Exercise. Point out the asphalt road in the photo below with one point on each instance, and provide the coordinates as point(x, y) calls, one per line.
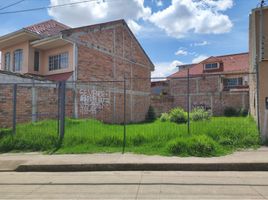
point(134, 185)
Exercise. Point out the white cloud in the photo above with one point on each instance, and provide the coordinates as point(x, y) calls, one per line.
point(184, 16)
point(100, 11)
point(134, 26)
point(159, 3)
point(194, 54)
point(181, 52)
point(204, 43)
point(219, 5)
point(199, 58)
point(165, 69)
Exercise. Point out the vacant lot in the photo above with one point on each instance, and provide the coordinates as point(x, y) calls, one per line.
point(214, 137)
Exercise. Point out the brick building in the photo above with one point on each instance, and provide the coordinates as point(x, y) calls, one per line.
point(97, 54)
point(215, 83)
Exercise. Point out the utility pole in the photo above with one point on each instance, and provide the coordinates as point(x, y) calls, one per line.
point(261, 37)
point(260, 58)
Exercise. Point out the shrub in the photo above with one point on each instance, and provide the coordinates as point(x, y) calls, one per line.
point(178, 147)
point(164, 117)
point(197, 145)
point(199, 114)
point(151, 116)
point(230, 112)
point(178, 115)
point(5, 132)
point(243, 112)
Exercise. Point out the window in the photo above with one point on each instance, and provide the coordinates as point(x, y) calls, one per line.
point(211, 66)
point(18, 56)
point(58, 61)
point(7, 61)
point(36, 61)
point(233, 82)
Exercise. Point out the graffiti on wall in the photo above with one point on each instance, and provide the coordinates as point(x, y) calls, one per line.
point(93, 101)
point(201, 105)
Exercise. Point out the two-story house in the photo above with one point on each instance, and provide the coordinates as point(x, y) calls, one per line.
point(215, 83)
point(233, 70)
point(38, 49)
point(100, 52)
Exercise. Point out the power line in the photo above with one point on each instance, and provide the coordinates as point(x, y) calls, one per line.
point(10, 5)
point(48, 7)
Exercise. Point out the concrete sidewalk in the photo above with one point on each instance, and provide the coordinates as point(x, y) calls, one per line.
point(248, 160)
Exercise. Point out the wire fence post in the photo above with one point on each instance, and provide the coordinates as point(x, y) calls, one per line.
point(58, 115)
point(14, 109)
point(125, 99)
point(188, 100)
point(62, 108)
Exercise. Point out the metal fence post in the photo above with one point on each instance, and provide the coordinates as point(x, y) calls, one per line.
point(125, 99)
point(188, 100)
point(14, 108)
point(58, 116)
point(62, 108)
point(34, 102)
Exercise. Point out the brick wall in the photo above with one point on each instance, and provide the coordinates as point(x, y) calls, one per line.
point(34, 103)
point(110, 52)
point(5, 105)
point(106, 52)
point(204, 91)
point(99, 100)
point(162, 104)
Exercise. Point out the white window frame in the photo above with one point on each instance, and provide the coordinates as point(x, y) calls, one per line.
point(58, 62)
point(7, 58)
point(17, 64)
point(211, 68)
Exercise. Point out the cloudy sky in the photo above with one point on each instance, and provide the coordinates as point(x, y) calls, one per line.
point(172, 32)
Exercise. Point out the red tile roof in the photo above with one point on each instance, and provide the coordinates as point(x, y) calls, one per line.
point(234, 63)
point(47, 28)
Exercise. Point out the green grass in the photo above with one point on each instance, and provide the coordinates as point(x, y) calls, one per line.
point(215, 137)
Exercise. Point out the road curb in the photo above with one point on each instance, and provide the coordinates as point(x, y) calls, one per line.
point(144, 167)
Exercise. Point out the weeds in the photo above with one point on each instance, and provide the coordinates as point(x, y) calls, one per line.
point(214, 137)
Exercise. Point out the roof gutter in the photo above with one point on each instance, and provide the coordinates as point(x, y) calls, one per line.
point(47, 39)
point(7, 36)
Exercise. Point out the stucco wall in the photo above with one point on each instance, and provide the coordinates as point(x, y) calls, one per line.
point(28, 58)
point(45, 58)
point(255, 62)
point(263, 87)
point(25, 47)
